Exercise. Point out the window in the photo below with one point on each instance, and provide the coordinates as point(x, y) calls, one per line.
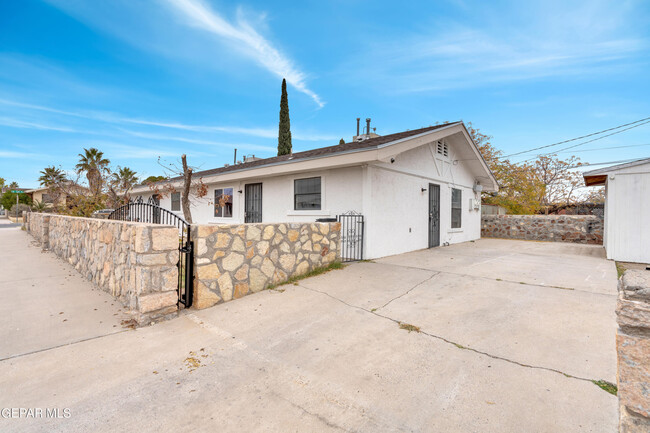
point(456, 208)
point(176, 201)
point(442, 148)
point(306, 194)
point(223, 203)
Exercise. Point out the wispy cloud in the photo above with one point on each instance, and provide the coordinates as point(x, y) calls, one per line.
point(16, 123)
point(249, 42)
point(196, 141)
point(127, 152)
point(524, 43)
point(119, 119)
point(12, 154)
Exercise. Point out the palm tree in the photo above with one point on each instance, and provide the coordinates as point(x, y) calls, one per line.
point(123, 180)
point(92, 162)
point(51, 177)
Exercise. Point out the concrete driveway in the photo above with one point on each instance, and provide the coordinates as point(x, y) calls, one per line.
point(511, 336)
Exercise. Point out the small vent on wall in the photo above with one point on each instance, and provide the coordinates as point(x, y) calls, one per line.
point(442, 148)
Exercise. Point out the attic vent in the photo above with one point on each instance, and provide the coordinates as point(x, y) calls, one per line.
point(443, 149)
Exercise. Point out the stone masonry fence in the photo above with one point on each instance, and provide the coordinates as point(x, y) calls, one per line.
point(582, 229)
point(234, 260)
point(135, 262)
point(633, 349)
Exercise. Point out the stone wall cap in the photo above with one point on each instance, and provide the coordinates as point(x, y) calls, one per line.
point(104, 221)
point(635, 284)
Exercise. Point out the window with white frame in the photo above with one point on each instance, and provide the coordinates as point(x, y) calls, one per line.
point(223, 202)
point(307, 194)
point(176, 201)
point(456, 208)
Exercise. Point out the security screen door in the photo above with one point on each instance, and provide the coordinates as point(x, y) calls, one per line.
point(253, 203)
point(434, 215)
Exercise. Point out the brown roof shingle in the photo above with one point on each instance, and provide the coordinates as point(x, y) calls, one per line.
point(320, 152)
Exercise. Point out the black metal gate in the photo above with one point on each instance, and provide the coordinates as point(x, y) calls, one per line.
point(151, 213)
point(352, 226)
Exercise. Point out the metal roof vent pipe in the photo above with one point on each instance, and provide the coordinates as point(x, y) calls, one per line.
point(368, 126)
point(358, 119)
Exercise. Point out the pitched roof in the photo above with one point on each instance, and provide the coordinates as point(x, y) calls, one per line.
point(367, 144)
point(599, 176)
point(617, 167)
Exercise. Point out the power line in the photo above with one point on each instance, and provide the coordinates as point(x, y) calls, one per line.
point(622, 161)
point(585, 142)
point(608, 148)
point(579, 138)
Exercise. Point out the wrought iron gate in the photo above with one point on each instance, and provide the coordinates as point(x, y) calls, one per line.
point(151, 213)
point(352, 226)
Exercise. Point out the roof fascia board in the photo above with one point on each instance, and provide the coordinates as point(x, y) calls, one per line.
point(616, 167)
point(351, 157)
point(479, 156)
point(343, 159)
point(393, 148)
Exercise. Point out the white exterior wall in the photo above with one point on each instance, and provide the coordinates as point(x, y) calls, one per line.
point(340, 192)
point(398, 219)
point(389, 195)
point(627, 215)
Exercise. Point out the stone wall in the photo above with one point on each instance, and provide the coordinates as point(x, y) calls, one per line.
point(135, 262)
point(582, 229)
point(633, 348)
point(38, 224)
point(234, 260)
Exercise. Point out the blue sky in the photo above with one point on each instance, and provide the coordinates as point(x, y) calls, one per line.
point(142, 79)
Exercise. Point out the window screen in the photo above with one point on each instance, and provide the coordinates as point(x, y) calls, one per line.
point(223, 203)
point(176, 201)
point(456, 208)
point(307, 193)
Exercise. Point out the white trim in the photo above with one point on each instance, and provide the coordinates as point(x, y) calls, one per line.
point(214, 204)
point(346, 158)
point(609, 169)
point(323, 204)
point(309, 213)
point(421, 176)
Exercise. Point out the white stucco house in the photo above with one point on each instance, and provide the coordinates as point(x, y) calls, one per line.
point(627, 209)
point(415, 189)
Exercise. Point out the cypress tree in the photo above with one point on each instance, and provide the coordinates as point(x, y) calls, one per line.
point(341, 141)
point(284, 135)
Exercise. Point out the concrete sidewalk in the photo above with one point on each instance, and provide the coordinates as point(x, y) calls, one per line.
point(45, 302)
point(328, 354)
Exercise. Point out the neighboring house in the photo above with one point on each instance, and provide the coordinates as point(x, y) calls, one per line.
point(415, 189)
point(43, 195)
point(627, 209)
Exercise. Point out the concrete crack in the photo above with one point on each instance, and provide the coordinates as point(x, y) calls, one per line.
point(46, 349)
point(457, 345)
point(408, 291)
point(505, 281)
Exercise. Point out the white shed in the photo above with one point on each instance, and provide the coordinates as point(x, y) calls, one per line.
point(627, 209)
point(415, 189)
